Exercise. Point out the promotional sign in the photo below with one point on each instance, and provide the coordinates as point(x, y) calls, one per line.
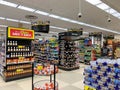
point(20, 33)
point(88, 88)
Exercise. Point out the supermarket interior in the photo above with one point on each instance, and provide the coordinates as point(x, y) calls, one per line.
point(59, 45)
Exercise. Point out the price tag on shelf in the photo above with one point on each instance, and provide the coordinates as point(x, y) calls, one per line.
point(86, 87)
point(39, 67)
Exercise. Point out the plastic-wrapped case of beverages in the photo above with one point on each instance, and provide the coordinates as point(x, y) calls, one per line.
point(103, 74)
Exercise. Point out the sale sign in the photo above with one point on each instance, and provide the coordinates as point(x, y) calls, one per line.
point(20, 33)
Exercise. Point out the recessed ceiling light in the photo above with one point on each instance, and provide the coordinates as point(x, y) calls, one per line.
point(42, 13)
point(103, 6)
point(94, 2)
point(26, 8)
point(8, 3)
point(14, 20)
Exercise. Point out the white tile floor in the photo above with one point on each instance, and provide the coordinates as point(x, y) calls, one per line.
point(68, 80)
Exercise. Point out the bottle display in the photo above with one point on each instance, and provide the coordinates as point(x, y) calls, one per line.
point(18, 54)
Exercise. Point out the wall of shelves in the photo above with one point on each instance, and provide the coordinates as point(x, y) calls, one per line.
point(18, 54)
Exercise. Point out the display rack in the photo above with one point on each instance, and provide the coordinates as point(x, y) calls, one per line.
point(46, 51)
point(17, 56)
point(67, 51)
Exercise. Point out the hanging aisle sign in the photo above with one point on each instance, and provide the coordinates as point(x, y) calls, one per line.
point(20, 33)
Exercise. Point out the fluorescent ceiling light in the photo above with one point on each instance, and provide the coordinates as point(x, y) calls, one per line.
point(54, 16)
point(8, 3)
point(58, 28)
point(65, 19)
point(14, 20)
point(42, 13)
point(3, 26)
point(116, 14)
point(103, 6)
point(26, 8)
point(25, 22)
point(2, 18)
point(112, 11)
point(94, 2)
point(69, 20)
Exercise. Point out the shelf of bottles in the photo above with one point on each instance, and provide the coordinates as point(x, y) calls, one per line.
point(46, 51)
point(68, 52)
point(19, 56)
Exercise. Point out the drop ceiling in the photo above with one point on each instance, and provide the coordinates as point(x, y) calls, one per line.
point(66, 8)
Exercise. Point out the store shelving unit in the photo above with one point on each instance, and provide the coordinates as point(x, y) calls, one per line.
point(67, 51)
point(18, 56)
point(46, 51)
point(88, 50)
point(109, 40)
point(81, 50)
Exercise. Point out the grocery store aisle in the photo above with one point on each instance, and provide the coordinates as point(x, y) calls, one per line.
point(68, 80)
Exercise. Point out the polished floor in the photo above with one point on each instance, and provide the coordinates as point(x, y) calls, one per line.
point(67, 80)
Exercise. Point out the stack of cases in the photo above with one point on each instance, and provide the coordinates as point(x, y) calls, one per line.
point(103, 74)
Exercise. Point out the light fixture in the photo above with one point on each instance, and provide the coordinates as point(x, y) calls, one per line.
point(14, 20)
point(8, 3)
point(94, 2)
point(42, 13)
point(2, 18)
point(103, 6)
point(26, 8)
point(25, 22)
point(65, 19)
point(116, 14)
point(58, 28)
point(54, 16)
point(3, 26)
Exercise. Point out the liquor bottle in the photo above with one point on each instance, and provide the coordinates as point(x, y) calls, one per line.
point(14, 49)
point(16, 55)
point(11, 55)
point(13, 43)
point(21, 54)
point(11, 49)
point(28, 49)
point(18, 49)
point(8, 48)
point(25, 48)
point(8, 43)
point(16, 43)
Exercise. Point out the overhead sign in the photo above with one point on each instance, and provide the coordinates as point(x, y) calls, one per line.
point(20, 33)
